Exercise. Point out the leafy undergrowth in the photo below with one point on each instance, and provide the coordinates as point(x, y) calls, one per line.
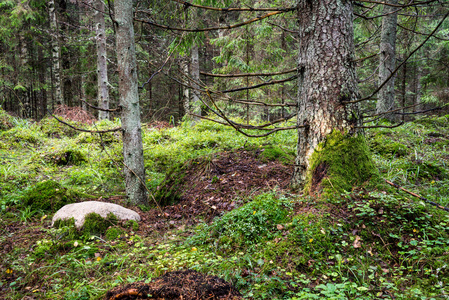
point(234, 217)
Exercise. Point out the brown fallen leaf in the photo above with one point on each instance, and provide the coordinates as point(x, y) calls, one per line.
point(357, 243)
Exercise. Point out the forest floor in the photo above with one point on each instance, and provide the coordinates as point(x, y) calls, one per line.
point(227, 225)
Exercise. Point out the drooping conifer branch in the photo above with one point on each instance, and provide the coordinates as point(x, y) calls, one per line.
point(210, 28)
point(271, 82)
point(188, 4)
point(249, 74)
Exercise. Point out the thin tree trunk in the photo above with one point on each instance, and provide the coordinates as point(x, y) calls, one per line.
point(186, 91)
point(387, 56)
point(326, 77)
point(195, 74)
point(418, 88)
point(102, 67)
point(55, 50)
point(129, 101)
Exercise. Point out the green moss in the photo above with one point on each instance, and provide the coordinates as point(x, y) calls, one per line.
point(94, 224)
point(383, 145)
point(54, 129)
point(113, 233)
point(273, 152)
point(339, 163)
point(48, 196)
point(132, 224)
point(23, 135)
point(67, 229)
point(65, 157)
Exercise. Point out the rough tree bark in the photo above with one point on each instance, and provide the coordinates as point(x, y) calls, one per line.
point(326, 80)
point(387, 58)
point(129, 102)
point(55, 50)
point(102, 66)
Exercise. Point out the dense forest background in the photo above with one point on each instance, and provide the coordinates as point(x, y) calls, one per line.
point(51, 53)
point(370, 222)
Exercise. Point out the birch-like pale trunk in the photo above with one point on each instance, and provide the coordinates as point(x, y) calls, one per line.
point(56, 53)
point(185, 90)
point(326, 77)
point(129, 101)
point(102, 65)
point(387, 62)
point(195, 105)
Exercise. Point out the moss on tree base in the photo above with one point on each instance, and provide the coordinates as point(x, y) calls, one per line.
point(339, 163)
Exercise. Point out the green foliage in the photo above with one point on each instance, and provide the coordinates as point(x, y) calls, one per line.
point(47, 195)
point(245, 226)
point(5, 120)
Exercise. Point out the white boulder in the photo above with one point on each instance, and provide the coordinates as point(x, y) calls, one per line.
point(79, 211)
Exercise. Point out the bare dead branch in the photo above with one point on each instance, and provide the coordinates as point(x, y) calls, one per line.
point(85, 130)
point(417, 196)
point(163, 65)
point(102, 109)
point(398, 5)
point(401, 64)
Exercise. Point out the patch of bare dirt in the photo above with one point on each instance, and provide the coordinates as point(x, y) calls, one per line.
point(185, 285)
point(215, 186)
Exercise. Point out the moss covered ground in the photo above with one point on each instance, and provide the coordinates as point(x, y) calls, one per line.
point(358, 242)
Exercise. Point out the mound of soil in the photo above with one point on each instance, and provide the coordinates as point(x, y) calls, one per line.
point(185, 285)
point(215, 186)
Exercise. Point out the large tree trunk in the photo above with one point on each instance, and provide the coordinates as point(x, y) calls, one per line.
point(387, 62)
point(326, 79)
point(56, 54)
point(102, 66)
point(129, 101)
